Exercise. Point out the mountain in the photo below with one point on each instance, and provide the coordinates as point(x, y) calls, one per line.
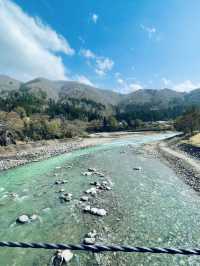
point(160, 99)
point(193, 98)
point(7, 83)
point(73, 89)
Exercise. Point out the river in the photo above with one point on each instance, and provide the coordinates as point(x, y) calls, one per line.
point(151, 207)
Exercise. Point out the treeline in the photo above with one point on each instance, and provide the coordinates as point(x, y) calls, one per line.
point(189, 122)
point(32, 115)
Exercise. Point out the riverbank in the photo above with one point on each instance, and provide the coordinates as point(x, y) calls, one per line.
point(15, 155)
point(184, 161)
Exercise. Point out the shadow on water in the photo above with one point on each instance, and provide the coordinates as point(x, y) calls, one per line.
point(151, 207)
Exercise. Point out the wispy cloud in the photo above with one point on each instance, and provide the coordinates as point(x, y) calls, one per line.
point(94, 18)
point(87, 53)
point(151, 31)
point(101, 64)
point(29, 48)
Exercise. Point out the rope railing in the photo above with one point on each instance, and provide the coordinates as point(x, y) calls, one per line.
point(102, 248)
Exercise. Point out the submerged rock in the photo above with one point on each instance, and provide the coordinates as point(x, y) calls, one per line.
point(137, 168)
point(66, 197)
point(60, 182)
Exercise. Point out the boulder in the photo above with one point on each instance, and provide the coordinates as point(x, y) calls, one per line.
point(61, 257)
point(84, 198)
point(92, 191)
point(89, 240)
point(66, 197)
point(95, 211)
point(23, 219)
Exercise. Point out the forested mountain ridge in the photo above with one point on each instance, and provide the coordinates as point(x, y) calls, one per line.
point(44, 109)
point(72, 89)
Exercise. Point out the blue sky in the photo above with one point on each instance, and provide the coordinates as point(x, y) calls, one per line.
point(122, 45)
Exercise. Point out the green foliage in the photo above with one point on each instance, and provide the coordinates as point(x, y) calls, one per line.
point(189, 121)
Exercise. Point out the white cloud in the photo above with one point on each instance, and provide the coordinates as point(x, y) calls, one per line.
point(87, 53)
point(83, 79)
point(125, 87)
point(120, 81)
point(94, 18)
point(186, 86)
point(29, 47)
point(166, 82)
point(150, 30)
point(135, 87)
point(103, 65)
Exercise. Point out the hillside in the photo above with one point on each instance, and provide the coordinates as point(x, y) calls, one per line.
point(156, 99)
point(7, 83)
point(159, 98)
point(73, 89)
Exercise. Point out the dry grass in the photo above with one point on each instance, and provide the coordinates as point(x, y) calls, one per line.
point(195, 140)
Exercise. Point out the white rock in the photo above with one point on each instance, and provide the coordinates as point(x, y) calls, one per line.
point(67, 255)
point(91, 191)
point(87, 173)
point(87, 208)
point(95, 211)
point(89, 240)
point(34, 217)
point(60, 257)
point(101, 212)
point(92, 234)
point(23, 219)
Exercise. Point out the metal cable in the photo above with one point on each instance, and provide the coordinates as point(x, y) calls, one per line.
point(102, 248)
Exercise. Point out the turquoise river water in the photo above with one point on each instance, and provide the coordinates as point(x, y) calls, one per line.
point(151, 207)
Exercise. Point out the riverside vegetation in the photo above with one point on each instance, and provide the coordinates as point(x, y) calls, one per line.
point(43, 109)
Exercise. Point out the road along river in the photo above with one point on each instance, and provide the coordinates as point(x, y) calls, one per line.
point(146, 207)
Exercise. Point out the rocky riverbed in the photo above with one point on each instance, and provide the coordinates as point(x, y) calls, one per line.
point(185, 161)
point(116, 192)
point(21, 154)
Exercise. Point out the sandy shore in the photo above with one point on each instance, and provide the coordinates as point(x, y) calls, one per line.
point(184, 164)
point(20, 154)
